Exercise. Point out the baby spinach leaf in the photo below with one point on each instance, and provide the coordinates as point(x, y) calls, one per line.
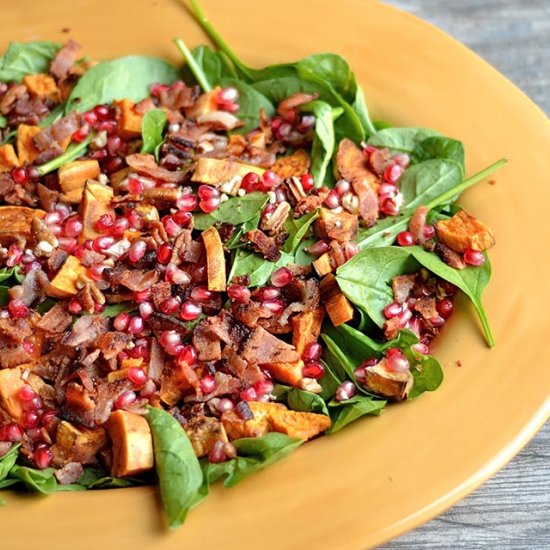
point(341, 364)
point(213, 65)
point(126, 77)
point(3, 121)
point(349, 412)
point(401, 139)
point(24, 58)
point(297, 230)
point(7, 462)
point(427, 373)
point(259, 269)
point(112, 310)
point(439, 147)
point(152, 129)
point(329, 382)
point(42, 481)
point(360, 108)
point(236, 210)
point(300, 400)
point(178, 469)
point(6, 273)
point(94, 478)
point(301, 257)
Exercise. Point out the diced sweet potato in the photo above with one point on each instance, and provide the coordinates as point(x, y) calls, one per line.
point(223, 173)
point(10, 385)
point(296, 165)
point(8, 158)
point(341, 227)
point(176, 379)
point(301, 425)
point(96, 201)
point(289, 373)
point(132, 444)
point(26, 149)
point(323, 265)
point(78, 396)
point(74, 174)
point(43, 86)
point(203, 432)
point(306, 328)
point(395, 385)
point(206, 103)
point(63, 285)
point(236, 427)
point(128, 119)
point(215, 259)
point(74, 444)
point(352, 165)
point(337, 305)
point(16, 222)
point(463, 231)
point(72, 197)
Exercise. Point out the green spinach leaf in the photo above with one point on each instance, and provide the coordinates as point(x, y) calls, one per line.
point(300, 400)
point(297, 230)
point(401, 139)
point(259, 269)
point(152, 130)
point(42, 481)
point(350, 411)
point(439, 147)
point(25, 58)
point(7, 462)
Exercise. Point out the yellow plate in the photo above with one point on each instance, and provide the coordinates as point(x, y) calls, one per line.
point(384, 475)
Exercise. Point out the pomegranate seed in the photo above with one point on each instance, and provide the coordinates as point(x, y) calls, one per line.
point(225, 404)
point(187, 202)
point(135, 187)
point(387, 191)
point(190, 311)
point(164, 253)
point(119, 227)
point(157, 89)
point(105, 222)
point(228, 95)
point(98, 154)
point(17, 309)
point(73, 227)
point(57, 230)
point(188, 355)
point(313, 369)
point(19, 174)
point(53, 218)
point(146, 309)
point(201, 294)
point(360, 374)
point(251, 182)
point(170, 305)
point(206, 192)
point(397, 363)
point(209, 205)
point(346, 390)
point(371, 361)
point(319, 248)
point(405, 238)
point(281, 277)
point(263, 387)
point(342, 187)
point(28, 346)
point(102, 243)
point(268, 293)
point(26, 393)
point(269, 180)
point(137, 251)
point(15, 255)
point(217, 453)
point(474, 257)
point(90, 117)
point(47, 418)
point(368, 150)
point(437, 321)
point(429, 232)
point(333, 199)
point(140, 349)
point(171, 227)
point(389, 207)
point(312, 352)
point(275, 306)
point(249, 394)
point(149, 389)
point(268, 209)
point(392, 310)
point(402, 159)
point(81, 134)
point(43, 457)
point(95, 271)
point(142, 295)
point(445, 308)
point(121, 321)
point(137, 376)
point(68, 245)
point(31, 419)
point(238, 293)
point(169, 337)
point(404, 317)
point(11, 432)
point(350, 250)
point(307, 181)
point(182, 217)
point(108, 126)
point(134, 219)
point(136, 325)
point(421, 348)
point(208, 383)
point(101, 112)
point(75, 307)
point(392, 173)
point(114, 143)
point(125, 399)
point(177, 276)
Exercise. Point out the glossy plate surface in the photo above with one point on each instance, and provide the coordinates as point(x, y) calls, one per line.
point(384, 475)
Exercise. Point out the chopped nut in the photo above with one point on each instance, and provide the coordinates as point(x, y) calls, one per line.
point(277, 218)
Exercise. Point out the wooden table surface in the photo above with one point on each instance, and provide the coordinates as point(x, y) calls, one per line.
point(512, 510)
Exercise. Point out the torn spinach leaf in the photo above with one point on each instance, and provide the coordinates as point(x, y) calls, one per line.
point(152, 130)
point(26, 58)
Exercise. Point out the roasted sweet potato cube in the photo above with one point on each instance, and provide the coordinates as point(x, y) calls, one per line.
point(43, 86)
point(176, 379)
point(323, 265)
point(236, 427)
point(223, 173)
point(338, 307)
point(73, 175)
point(26, 149)
point(10, 385)
point(301, 425)
point(463, 231)
point(128, 119)
point(294, 165)
point(96, 201)
point(206, 103)
point(215, 259)
point(395, 385)
point(306, 328)
point(341, 227)
point(352, 165)
point(79, 397)
point(16, 222)
point(77, 444)
point(132, 444)
point(63, 285)
point(8, 158)
point(289, 373)
point(203, 432)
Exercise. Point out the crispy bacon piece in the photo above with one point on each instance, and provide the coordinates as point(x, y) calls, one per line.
point(64, 60)
point(262, 244)
point(262, 347)
point(145, 164)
